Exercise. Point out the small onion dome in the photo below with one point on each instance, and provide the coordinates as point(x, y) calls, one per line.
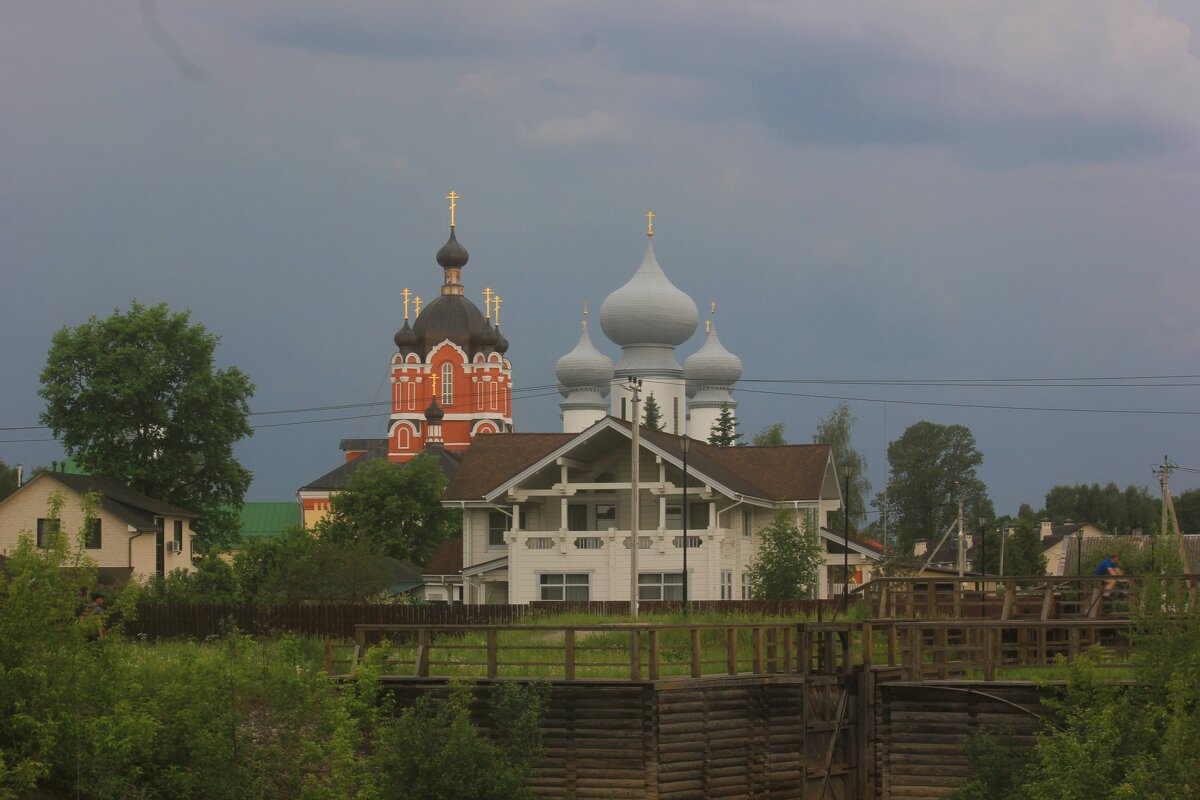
point(585, 366)
point(452, 253)
point(406, 340)
point(489, 336)
point(649, 309)
point(711, 365)
point(434, 413)
point(501, 343)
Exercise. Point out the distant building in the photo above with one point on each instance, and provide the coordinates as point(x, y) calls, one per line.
point(133, 535)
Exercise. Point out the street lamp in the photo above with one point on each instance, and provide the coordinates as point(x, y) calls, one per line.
point(685, 444)
point(982, 566)
point(847, 471)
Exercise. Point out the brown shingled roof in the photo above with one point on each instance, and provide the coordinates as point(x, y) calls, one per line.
point(789, 472)
point(447, 559)
point(497, 457)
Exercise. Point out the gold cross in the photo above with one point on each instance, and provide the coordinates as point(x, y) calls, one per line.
point(496, 300)
point(650, 224)
point(433, 379)
point(712, 309)
point(487, 303)
point(417, 309)
point(405, 294)
point(452, 197)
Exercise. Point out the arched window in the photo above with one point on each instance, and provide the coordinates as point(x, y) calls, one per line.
point(447, 384)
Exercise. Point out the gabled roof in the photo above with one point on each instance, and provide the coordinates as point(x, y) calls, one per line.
point(131, 507)
point(336, 479)
point(359, 445)
point(447, 559)
point(788, 472)
point(267, 520)
point(863, 545)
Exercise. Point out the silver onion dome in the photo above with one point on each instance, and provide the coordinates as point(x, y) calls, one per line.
point(711, 365)
point(649, 309)
point(584, 367)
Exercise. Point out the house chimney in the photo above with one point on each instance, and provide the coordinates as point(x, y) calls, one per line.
point(920, 548)
point(20, 475)
point(1047, 529)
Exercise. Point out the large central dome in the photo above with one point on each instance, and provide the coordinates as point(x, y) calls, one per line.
point(649, 309)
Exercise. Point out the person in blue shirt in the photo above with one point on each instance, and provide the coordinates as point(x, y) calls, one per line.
point(1110, 566)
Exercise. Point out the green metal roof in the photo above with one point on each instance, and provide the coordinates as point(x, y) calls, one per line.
point(268, 520)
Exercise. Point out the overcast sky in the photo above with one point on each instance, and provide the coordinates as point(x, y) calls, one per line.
point(890, 191)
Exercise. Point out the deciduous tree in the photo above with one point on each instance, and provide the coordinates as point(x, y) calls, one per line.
point(835, 429)
point(137, 396)
point(929, 468)
point(787, 562)
point(770, 436)
point(397, 506)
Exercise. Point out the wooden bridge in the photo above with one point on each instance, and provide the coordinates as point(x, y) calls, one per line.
point(841, 710)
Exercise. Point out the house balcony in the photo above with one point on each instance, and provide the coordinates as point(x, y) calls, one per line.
point(660, 541)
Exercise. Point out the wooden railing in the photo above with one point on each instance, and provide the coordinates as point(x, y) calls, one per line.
point(600, 652)
point(1020, 597)
point(951, 648)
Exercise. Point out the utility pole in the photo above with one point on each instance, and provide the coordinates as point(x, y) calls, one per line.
point(635, 386)
point(962, 550)
point(1170, 520)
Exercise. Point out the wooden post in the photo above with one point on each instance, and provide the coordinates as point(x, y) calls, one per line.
point(1010, 600)
point(1073, 643)
point(422, 666)
point(635, 653)
point(787, 650)
point(569, 654)
point(329, 656)
point(892, 644)
point(772, 651)
point(989, 666)
point(804, 656)
point(1047, 603)
point(731, 659)
point(915, 655)
point(492, 650)
point(868, 644)
point(697, 666)
point(758, 649)
point(655, 660)
point(941, 652)
point(958, 590)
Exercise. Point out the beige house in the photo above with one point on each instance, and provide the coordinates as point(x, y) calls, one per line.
point(547, 516)
point(1062, 543)
point(133, 536)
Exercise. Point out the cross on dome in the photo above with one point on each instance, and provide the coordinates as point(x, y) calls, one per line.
point(452, 197)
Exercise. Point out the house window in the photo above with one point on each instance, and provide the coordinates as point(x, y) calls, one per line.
point(606, 516)
point(675, 414)
point(660, 586)
point(591, 517)
point(91, 538)
point(45, 529)
point(569, 586)
point(577, 517)
point(697, 516)
point(726, 584)
point(745, 585)
point(747, 522)
point(498, 525)
point(178, 536)
point(624, 414)
point(447, 384)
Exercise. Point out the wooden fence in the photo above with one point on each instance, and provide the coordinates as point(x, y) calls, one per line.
point(337, 621)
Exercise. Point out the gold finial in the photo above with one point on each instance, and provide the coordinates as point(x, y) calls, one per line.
point(650, 224)
point(487, 303)
point(496, 301)
point(452, 197)
point(433, 379)
point(417, 306)
point(712, 309)
point(708, 326)
point(405, 294)
point(585, 302)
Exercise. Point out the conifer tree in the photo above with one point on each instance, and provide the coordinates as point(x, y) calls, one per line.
point(724, 431)
point(653, 415)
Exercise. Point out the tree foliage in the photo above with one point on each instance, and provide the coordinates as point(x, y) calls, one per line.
point(1022, 551)
point(929, 467)
point(652, 414)
point(835, 429)
point(1187, 507)
point(137, 396)
point(396, 506)
point(1109, 508)
point(770, 436)
point(8, 480)
point(724, 431)
point(788, 560)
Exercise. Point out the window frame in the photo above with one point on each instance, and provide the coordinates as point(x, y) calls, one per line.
point(447, 384)
point(547, 586)
point(646, 588)
point(45, 530)
point(93, 537)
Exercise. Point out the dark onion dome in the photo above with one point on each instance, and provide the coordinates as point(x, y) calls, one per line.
point(434, 413)
point(406, 340)
point(452, 253)
point(501, 343)
point(490, 335)
point(453, 317)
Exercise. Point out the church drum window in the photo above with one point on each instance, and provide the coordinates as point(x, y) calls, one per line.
point(447, 384)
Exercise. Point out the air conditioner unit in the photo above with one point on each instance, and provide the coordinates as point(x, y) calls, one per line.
point(174, 546)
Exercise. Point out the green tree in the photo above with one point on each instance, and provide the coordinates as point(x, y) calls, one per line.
point(1022, 551)
point(137, 396)
point(929, 468)
point(8, 480)
point(834, 429)
point(724, 431)
point(770, 436)
point(1187, 506)
point(1109, 508)
point(787, 562)
point(652, 414)
point(397, 506)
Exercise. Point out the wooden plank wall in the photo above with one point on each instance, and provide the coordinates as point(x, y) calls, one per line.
point(921, 727)
point(753, 737)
